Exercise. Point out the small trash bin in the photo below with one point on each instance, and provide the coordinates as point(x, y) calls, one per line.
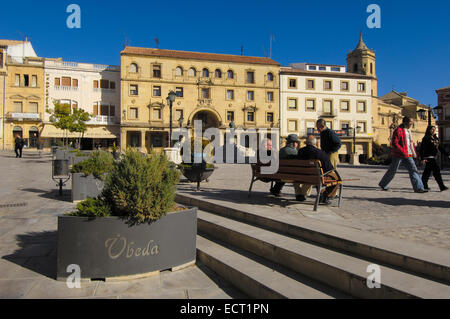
point(60, 168)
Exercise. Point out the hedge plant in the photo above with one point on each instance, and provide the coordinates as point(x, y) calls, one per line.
point(98, 163)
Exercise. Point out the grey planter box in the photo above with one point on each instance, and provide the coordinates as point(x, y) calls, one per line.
point(85, 186)
point(106, 248)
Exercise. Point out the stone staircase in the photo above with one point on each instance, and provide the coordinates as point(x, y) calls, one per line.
point(268, 257)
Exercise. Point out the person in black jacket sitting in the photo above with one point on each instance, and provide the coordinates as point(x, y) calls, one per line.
point(428, 153)
point(311, 152)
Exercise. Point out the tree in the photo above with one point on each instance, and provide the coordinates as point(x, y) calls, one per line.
point(78, 125)
point(61, 118)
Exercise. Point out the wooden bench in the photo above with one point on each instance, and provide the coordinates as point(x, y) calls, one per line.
point(298, 171)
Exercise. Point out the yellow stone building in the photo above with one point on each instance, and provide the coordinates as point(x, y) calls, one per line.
point(3, 75)
point(402, 105)
point(215, 88)
point(24, 100)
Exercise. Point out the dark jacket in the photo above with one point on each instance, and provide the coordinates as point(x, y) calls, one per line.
point(310, 152)
point(19, 142)
point(430, 147)
point(288, 152)
point(329, 141)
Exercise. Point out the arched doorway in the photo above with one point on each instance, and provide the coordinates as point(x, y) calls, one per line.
point(209, 119)
point(34, 136)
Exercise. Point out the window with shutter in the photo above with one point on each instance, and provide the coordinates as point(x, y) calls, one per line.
point(95, 109)
point(66, 81)
point(112, 110)
point(17, 107)
point(75, 83)
point(104, 84)
point(95, 84)
point(33, 107)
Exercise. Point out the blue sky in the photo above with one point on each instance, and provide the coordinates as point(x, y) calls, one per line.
point(412, 45)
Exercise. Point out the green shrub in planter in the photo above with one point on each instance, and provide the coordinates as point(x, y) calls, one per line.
point(92, 207)
point(142, 188)
point(99, 163)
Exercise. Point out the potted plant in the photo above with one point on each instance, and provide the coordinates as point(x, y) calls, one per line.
point(88, 175)
point(200, 167)
point(133, 228)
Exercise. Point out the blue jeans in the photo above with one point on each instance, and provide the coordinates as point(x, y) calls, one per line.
point(416, 181)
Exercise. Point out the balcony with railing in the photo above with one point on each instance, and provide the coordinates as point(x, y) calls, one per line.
point(15, 116)
point(65, 88)
point(103, 120)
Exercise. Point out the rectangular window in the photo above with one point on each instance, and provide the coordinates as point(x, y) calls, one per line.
point(345, 125)
point(310, 127)
point(335, 69)
point(310, 105)
point(361, 127)
point(327, 106)
point(57, 81)
point(156, 91)
point(134, 113)
point(250, 95)
point(328, 85)
point(179, 92)
point(95, 109)
point(104, 84)
point(329, 124)
point(230, 94)
point(157, 71)
point(269, 96)
point(26, 80)
point(17, 80)
point(33, 107)
point(310, 85)
point(95, 84)
point(292, 83)
point(344, 86)
point(134, 90)
point(34, 81)
point(292, 125)
point(157, 114)
point(269, 118)
point(179, 114)
point(112, 110)
point(205, 93)
point(112, 85)
point(361, 87)
point(312, 68)
point(250, 77)
point(18, 107)
point(230, 116)
point(250, 116)
point(75, 83)
point(361, 106)
point(104, 110)
point(74, 106)
point(345, 106)
point(66, 81)
point(322, 68)
point(292, 104)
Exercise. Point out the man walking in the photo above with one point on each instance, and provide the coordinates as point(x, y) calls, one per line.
point(403, 152)
point(19, 143)
point(330, 143)
point(311, 152)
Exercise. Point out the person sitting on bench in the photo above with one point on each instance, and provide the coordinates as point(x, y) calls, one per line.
point(311, 152)
point(287, 152)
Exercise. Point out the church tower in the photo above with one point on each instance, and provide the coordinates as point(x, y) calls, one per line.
point(362, 61)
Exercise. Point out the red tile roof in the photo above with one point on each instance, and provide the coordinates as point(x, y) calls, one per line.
point(198, 56)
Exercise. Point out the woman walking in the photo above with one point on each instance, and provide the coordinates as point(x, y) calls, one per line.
point(428, 152)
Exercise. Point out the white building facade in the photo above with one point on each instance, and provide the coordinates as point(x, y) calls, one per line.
point(92, 87)
point(309, 92)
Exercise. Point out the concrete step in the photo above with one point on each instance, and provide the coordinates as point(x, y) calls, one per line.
point(255, 276)
point(338, 270)
point(427, 261)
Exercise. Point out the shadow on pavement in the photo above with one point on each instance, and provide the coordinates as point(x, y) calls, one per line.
point(40, 251)
point(241, 196)
point(399, 201)
point(53, 194)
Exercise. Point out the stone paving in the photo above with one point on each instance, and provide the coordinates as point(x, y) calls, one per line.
point(399, 212)
point(29, 206)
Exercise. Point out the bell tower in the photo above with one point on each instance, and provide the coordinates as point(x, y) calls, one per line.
point(362, 61)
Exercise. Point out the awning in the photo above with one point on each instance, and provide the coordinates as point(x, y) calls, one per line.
point(50, 131)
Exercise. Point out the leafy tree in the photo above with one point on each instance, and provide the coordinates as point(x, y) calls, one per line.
point(61, 118)
point(78, 125)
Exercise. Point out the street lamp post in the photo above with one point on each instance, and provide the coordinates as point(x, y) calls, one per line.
point(353, 157)
point(170, 99)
